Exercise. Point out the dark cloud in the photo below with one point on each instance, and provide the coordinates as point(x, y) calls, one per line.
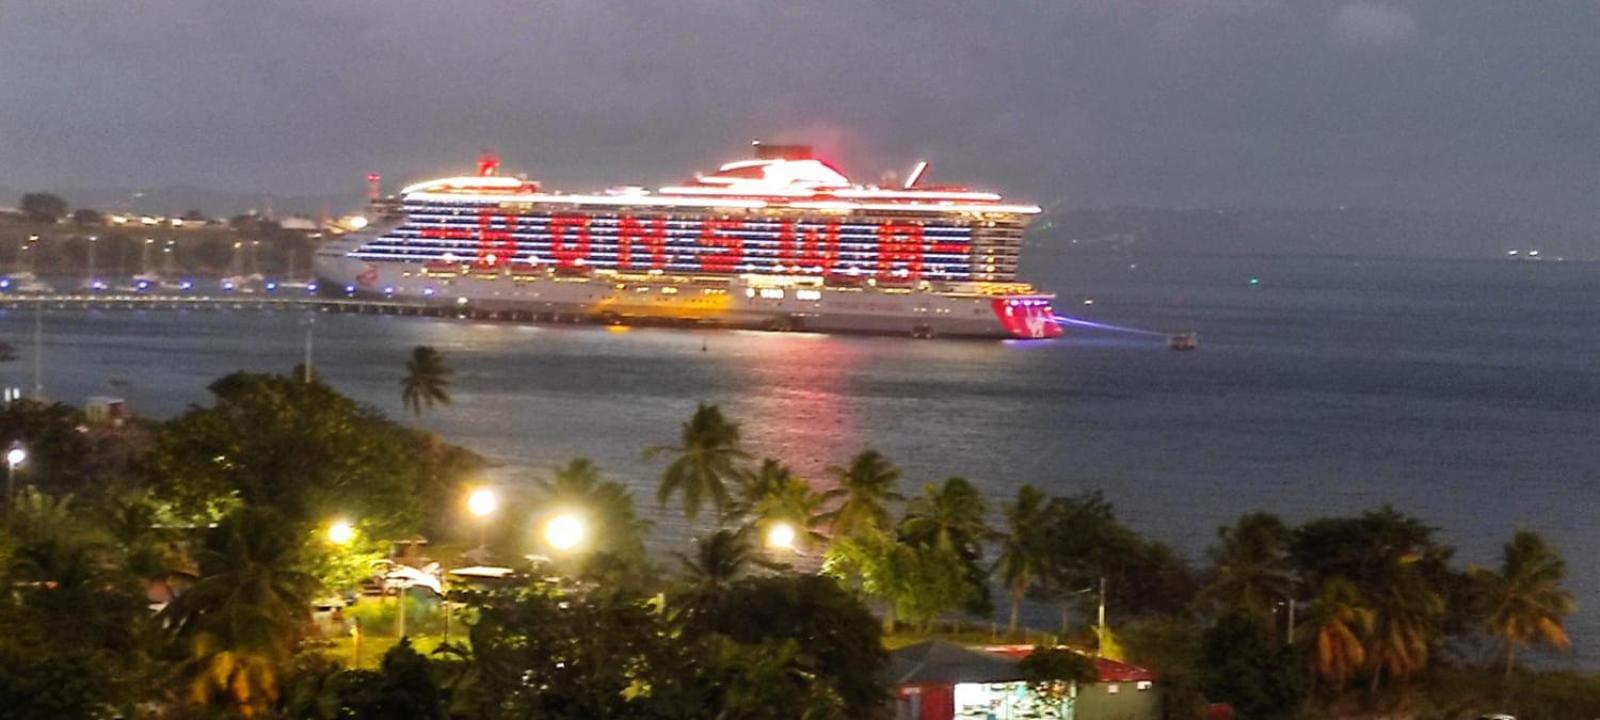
point(1446, 104)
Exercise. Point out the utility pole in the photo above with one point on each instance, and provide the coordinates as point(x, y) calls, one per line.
point(1102, 618)
point(38, 349)
point(311, 324)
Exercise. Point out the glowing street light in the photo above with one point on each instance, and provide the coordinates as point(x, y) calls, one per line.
point(780, 536)
point(565, 532)
point(341, 532)
point(483, 502)
point(14, 457)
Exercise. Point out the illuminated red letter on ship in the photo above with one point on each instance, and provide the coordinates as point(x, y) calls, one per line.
point(899, 250)
point(815, 249)
point(569, 253)
point(732, 245)
point(496, 247)
point(654, 240)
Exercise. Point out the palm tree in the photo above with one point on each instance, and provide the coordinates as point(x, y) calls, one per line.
point(1338, 626)
point(241, 621)
point(1253, 569)
point(951, 516)
point(719, 559)
point(427, 380)
point(1527, 603)
point(1022, 549)
point(608, 504)
point(773, 493)
point(707, 460)
point(1404, 626)
point(865, 489)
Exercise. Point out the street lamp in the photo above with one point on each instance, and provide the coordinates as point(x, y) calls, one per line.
point(780, 536)
point(14, 457)
point(565, 532)
point(341, 532)
point(482, 503)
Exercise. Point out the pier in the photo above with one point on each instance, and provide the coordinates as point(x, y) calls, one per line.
point(265, 301)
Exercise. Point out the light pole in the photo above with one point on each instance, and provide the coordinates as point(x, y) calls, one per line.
point(14, 457)
point(482, 503)
point(92, 240)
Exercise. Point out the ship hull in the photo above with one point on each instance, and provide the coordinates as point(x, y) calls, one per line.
point(731, 302)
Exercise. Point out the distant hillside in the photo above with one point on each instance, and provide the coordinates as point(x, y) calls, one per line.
point(1351, 231)
point(177, 200)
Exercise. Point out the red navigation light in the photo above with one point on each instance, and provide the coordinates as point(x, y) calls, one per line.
point(373, 184)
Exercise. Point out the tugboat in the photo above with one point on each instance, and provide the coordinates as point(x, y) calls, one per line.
point(1183, 341)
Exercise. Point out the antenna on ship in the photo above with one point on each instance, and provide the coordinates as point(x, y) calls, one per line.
point(916, 174)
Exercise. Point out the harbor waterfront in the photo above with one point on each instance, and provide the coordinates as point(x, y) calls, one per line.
point(1461, 392)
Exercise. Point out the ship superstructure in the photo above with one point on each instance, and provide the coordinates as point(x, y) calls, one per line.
point(780, 241)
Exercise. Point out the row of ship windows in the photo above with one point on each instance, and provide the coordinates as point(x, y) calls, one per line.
point(814, 296)
point(689, 235)
point(936, 272)
point(595, 222)
point(526, 210)
point(443, 251)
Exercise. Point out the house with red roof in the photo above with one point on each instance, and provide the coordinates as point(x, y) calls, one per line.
point(940, 680)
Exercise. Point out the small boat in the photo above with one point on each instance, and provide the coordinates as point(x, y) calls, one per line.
point(1183, 341)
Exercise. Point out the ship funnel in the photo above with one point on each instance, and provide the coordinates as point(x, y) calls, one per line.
point(782, 152)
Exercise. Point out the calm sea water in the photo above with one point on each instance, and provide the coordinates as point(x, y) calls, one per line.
point(1467, 393)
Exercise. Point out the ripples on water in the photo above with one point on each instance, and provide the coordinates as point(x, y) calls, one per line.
point(1465, 393)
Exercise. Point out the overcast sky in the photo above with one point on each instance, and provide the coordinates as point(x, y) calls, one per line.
point(1441, 104)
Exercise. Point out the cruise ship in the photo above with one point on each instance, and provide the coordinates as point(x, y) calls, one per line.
point(781, 241)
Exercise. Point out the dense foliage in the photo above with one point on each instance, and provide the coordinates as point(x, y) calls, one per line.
point(221, 517)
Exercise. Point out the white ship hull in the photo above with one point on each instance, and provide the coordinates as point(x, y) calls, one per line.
point(734, 302)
